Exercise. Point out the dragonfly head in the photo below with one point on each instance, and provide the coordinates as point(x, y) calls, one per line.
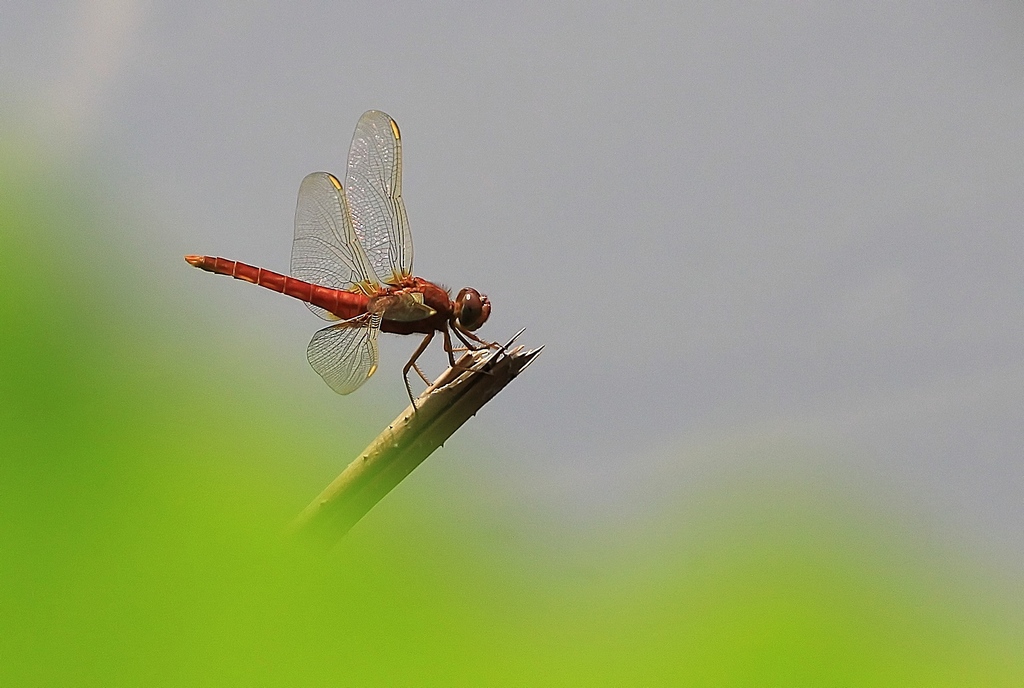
point(471, 309)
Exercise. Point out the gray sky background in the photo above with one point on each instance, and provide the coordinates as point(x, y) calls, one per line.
point(726, 221)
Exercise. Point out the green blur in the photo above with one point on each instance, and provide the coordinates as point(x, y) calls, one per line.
point(142, 511)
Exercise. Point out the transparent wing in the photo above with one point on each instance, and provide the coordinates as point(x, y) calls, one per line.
point(326, 250)
point(374, 188)
point(345, 355)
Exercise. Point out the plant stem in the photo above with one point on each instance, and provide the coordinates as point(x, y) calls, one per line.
point(448, 403)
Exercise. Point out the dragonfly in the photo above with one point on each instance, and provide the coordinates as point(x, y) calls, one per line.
point(352, 263)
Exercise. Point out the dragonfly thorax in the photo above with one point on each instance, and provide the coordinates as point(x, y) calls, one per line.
point(403, 306)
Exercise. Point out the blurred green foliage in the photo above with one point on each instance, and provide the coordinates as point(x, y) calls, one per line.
point(140, 540)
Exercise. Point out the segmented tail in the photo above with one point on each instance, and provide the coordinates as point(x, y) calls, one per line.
point(343, 304)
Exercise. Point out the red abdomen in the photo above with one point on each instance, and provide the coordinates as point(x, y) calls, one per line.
point(344, 304)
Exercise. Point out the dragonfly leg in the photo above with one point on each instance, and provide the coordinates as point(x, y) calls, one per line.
point(419, 371)
point(463, 334)
point(412, 364)
point(468, 347)
point(448, 347)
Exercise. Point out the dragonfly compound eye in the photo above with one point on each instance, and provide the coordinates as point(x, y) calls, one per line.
point(472, 308)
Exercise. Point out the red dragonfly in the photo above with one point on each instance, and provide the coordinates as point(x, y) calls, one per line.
point(352, 261)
